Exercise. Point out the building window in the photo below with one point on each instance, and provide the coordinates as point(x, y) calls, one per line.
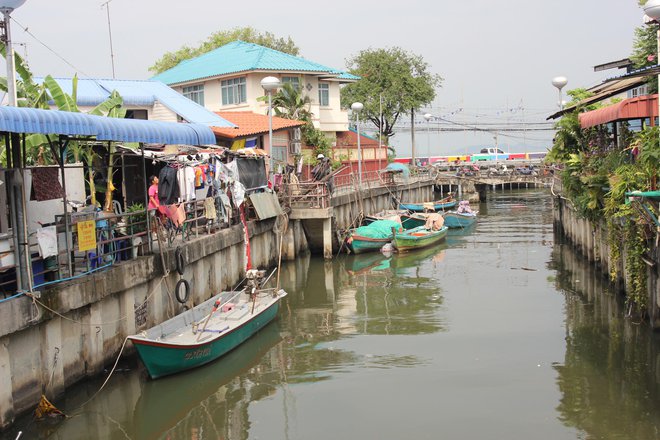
point(293, 80)
point(324, 95)
point(233, 91)
point(195, 93)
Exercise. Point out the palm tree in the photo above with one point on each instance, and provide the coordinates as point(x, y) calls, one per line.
point(290, 103)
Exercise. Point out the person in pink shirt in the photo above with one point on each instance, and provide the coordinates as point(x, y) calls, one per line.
point(154, 203)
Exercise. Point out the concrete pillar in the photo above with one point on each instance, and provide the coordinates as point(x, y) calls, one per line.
point(6, 398)
point(327, 238)
point(52, 357)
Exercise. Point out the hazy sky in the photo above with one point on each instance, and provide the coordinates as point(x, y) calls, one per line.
point(497, 58)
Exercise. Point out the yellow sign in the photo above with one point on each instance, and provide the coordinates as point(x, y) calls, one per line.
point(86, 235)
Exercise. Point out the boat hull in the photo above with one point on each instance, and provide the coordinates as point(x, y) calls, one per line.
point(163, 359)
point(419, 207)
point(360, 245)
point(418, 238)
point(455, 220)
point(411, 221)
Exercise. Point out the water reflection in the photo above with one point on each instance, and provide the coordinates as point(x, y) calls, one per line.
point(610, 379)
point(492, 326)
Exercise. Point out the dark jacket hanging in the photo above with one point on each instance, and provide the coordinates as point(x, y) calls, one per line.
point(168, 186)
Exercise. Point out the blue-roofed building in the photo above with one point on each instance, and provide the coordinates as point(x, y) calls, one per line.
point(144, 99)
point(229, 79)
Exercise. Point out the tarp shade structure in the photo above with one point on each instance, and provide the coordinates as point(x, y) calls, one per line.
point(641, 107)
point(252, 172)
point(32, 120)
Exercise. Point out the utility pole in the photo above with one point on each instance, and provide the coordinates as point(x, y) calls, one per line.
point(112, 53)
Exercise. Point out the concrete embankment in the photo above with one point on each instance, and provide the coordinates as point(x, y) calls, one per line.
point(78, 327)
point(591, 240)
point(87, 320)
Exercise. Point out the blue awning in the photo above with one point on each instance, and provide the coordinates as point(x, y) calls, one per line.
point(32, 120)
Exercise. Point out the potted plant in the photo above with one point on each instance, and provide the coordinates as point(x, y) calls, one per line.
point(136, 222)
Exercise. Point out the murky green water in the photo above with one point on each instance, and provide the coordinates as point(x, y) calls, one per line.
point(501, 333)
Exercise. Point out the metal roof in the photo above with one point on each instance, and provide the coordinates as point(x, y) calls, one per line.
point(32, 120)
point(641, 107)
point(140, 93)
point(239, 56)
point(602, 92)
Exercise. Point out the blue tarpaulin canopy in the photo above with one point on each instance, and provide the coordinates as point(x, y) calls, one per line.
point(32, 120)
point(399, 167)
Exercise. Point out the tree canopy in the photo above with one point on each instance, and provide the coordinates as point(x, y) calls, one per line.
point(402, 80)
point(220, 38)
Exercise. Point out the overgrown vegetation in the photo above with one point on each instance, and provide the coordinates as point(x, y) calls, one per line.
point(597, 173)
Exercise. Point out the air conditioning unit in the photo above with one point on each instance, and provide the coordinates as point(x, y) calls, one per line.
point(294, 147)
point(297, 135)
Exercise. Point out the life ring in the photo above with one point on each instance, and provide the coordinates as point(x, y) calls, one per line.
point(180, 261)
point(182, 298)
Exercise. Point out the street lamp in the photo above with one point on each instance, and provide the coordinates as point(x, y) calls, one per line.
point(560, 82)
point(270, 83)
point(428, 117)
point(6, 7)
point(652, 10)
point(356, 107)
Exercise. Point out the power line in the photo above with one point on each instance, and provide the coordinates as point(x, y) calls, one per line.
point(27, 31)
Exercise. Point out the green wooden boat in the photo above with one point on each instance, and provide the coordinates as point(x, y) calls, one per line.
point(207, 331)
point(372, 237)
point(414, 219)
point(417, 238)
point(456, 220)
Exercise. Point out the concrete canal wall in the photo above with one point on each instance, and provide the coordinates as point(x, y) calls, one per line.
point(591, 241)
point(45, 351)
point(77, 328)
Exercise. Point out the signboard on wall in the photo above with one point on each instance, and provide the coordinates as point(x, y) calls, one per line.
point(86, 235)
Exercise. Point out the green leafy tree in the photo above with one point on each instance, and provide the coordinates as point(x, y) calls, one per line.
point(220, 38)
point(570, 138)
point(400, 79)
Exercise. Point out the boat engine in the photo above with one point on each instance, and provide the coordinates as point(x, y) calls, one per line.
point(255, 278)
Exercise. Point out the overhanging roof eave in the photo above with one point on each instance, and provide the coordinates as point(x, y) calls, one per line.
point(31, 120)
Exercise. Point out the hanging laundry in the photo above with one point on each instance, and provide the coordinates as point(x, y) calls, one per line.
point(199, 177)
point(225, 207)
point(168, 186)
point(47, 240)
point(186, 179)
point(209, 208)
point(46, 184)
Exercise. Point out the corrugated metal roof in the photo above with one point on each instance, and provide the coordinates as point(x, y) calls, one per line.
point(239, 56)
point(641, 107)
point(141, 93)
point(602, 92)
point(31, 120)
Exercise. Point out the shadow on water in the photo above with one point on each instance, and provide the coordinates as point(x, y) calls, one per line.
point(610, 379)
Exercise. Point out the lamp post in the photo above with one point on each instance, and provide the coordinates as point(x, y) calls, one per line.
point(560, 82)
point(270, 83)
point(6, 7)
point(428, 117)
point(652, 10)
point(15, 178)
point(356, 107)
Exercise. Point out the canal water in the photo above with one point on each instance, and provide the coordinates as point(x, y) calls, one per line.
point(502, 332)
